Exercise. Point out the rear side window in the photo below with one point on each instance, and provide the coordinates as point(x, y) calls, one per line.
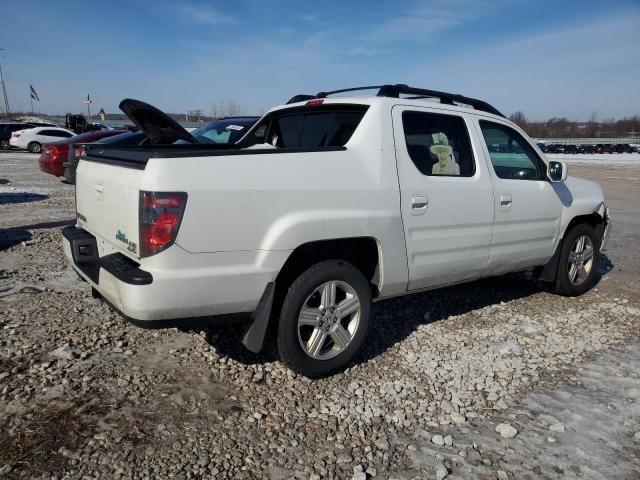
point(287, 132)
point(438, 144)
point(511, 155)
point(55, 133)
point(331, 128)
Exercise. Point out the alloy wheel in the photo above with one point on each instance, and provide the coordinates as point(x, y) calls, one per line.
point(580, 261)
point(328, 320)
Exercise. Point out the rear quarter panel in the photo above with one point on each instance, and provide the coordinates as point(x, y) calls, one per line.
point(275, 202)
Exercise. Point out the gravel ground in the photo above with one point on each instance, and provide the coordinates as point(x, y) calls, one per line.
point(497, 379)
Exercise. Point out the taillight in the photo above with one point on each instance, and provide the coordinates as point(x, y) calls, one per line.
point(315, 101)
point(15, 135)
point(160, 217)
point(56, 149)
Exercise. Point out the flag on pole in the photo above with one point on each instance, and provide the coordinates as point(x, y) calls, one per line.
point(34, 94)
point(88, 99)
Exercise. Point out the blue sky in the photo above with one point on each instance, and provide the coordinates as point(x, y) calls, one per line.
point(546, 58)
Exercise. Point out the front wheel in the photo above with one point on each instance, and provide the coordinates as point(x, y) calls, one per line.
point(324, 318)
point(579, 259)
point(34, 147)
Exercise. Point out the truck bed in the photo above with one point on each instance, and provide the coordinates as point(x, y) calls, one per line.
point(138, 156)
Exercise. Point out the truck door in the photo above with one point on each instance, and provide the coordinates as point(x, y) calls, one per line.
point(528, 209)
point(446, 196)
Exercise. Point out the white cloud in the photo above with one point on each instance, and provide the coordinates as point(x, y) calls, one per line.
point(424, 18)
point(565, 72)
point(204, 14)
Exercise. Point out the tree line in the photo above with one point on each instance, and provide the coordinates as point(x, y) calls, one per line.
point(561, 127)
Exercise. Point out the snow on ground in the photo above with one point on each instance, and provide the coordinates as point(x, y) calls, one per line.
point(626, 159)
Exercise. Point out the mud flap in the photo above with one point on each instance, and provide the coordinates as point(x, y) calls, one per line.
point(253, 337)
point(549, 272)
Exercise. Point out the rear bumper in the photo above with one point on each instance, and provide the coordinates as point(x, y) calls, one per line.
point(173, 285)
point(84, 255)
point(70, 170)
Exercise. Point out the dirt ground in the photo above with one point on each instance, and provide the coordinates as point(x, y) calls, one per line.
point(84, 394)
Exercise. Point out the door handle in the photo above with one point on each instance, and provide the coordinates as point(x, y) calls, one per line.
point(419, 204)
point(505, 202)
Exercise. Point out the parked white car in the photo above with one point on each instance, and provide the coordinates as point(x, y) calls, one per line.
point(324, 206)
point(32, 139)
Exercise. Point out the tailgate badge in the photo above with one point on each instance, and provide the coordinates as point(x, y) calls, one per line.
point(131, 246)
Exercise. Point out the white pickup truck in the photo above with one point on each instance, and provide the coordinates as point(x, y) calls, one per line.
point(326, 204)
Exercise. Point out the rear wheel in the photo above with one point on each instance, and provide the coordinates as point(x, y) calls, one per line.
point(34, 147)
point(579, 260)
point(324, 318)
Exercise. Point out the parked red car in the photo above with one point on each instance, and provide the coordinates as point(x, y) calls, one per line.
point(55, 154)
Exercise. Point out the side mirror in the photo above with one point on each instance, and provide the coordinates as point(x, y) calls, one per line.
point(557, 171)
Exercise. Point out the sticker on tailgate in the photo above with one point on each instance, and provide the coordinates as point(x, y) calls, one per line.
point(131, 246)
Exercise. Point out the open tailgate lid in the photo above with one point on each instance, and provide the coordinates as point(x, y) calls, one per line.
point(157, 125)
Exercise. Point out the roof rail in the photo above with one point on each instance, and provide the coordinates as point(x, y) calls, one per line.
point(398, 89)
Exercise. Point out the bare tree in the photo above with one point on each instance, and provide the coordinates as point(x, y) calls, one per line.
point(519, 119)
point(561, 127)
point(228, 108)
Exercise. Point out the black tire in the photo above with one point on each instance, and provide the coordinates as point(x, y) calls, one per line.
point(563, 284)
point(289, 344)
point(4, 145)
point(34, 147)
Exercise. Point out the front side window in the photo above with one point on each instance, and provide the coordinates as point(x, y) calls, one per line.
point(438, 144)
point(511, 155)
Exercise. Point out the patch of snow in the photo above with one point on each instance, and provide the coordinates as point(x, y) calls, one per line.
point(617, 159)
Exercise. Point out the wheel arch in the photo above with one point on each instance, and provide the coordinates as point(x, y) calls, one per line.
point(549, 271)
point(364, 253)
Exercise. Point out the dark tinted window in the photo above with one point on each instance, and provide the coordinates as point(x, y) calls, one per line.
point(511, 155)
point(13, 127)
point(341, 127)
point(438, 144)
point(331, 127)
point(315, 130)
point(287, 130)
point(56, 133)
point(125, 139)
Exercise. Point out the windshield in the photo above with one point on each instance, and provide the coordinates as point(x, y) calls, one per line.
point(226, 131)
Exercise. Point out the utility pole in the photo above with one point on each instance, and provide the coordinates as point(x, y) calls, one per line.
point(4, 90)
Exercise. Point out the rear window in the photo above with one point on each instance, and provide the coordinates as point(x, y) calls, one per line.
point(322, 127)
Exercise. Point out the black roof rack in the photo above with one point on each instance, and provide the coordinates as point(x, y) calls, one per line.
point(401, 89)
point(300, 98)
